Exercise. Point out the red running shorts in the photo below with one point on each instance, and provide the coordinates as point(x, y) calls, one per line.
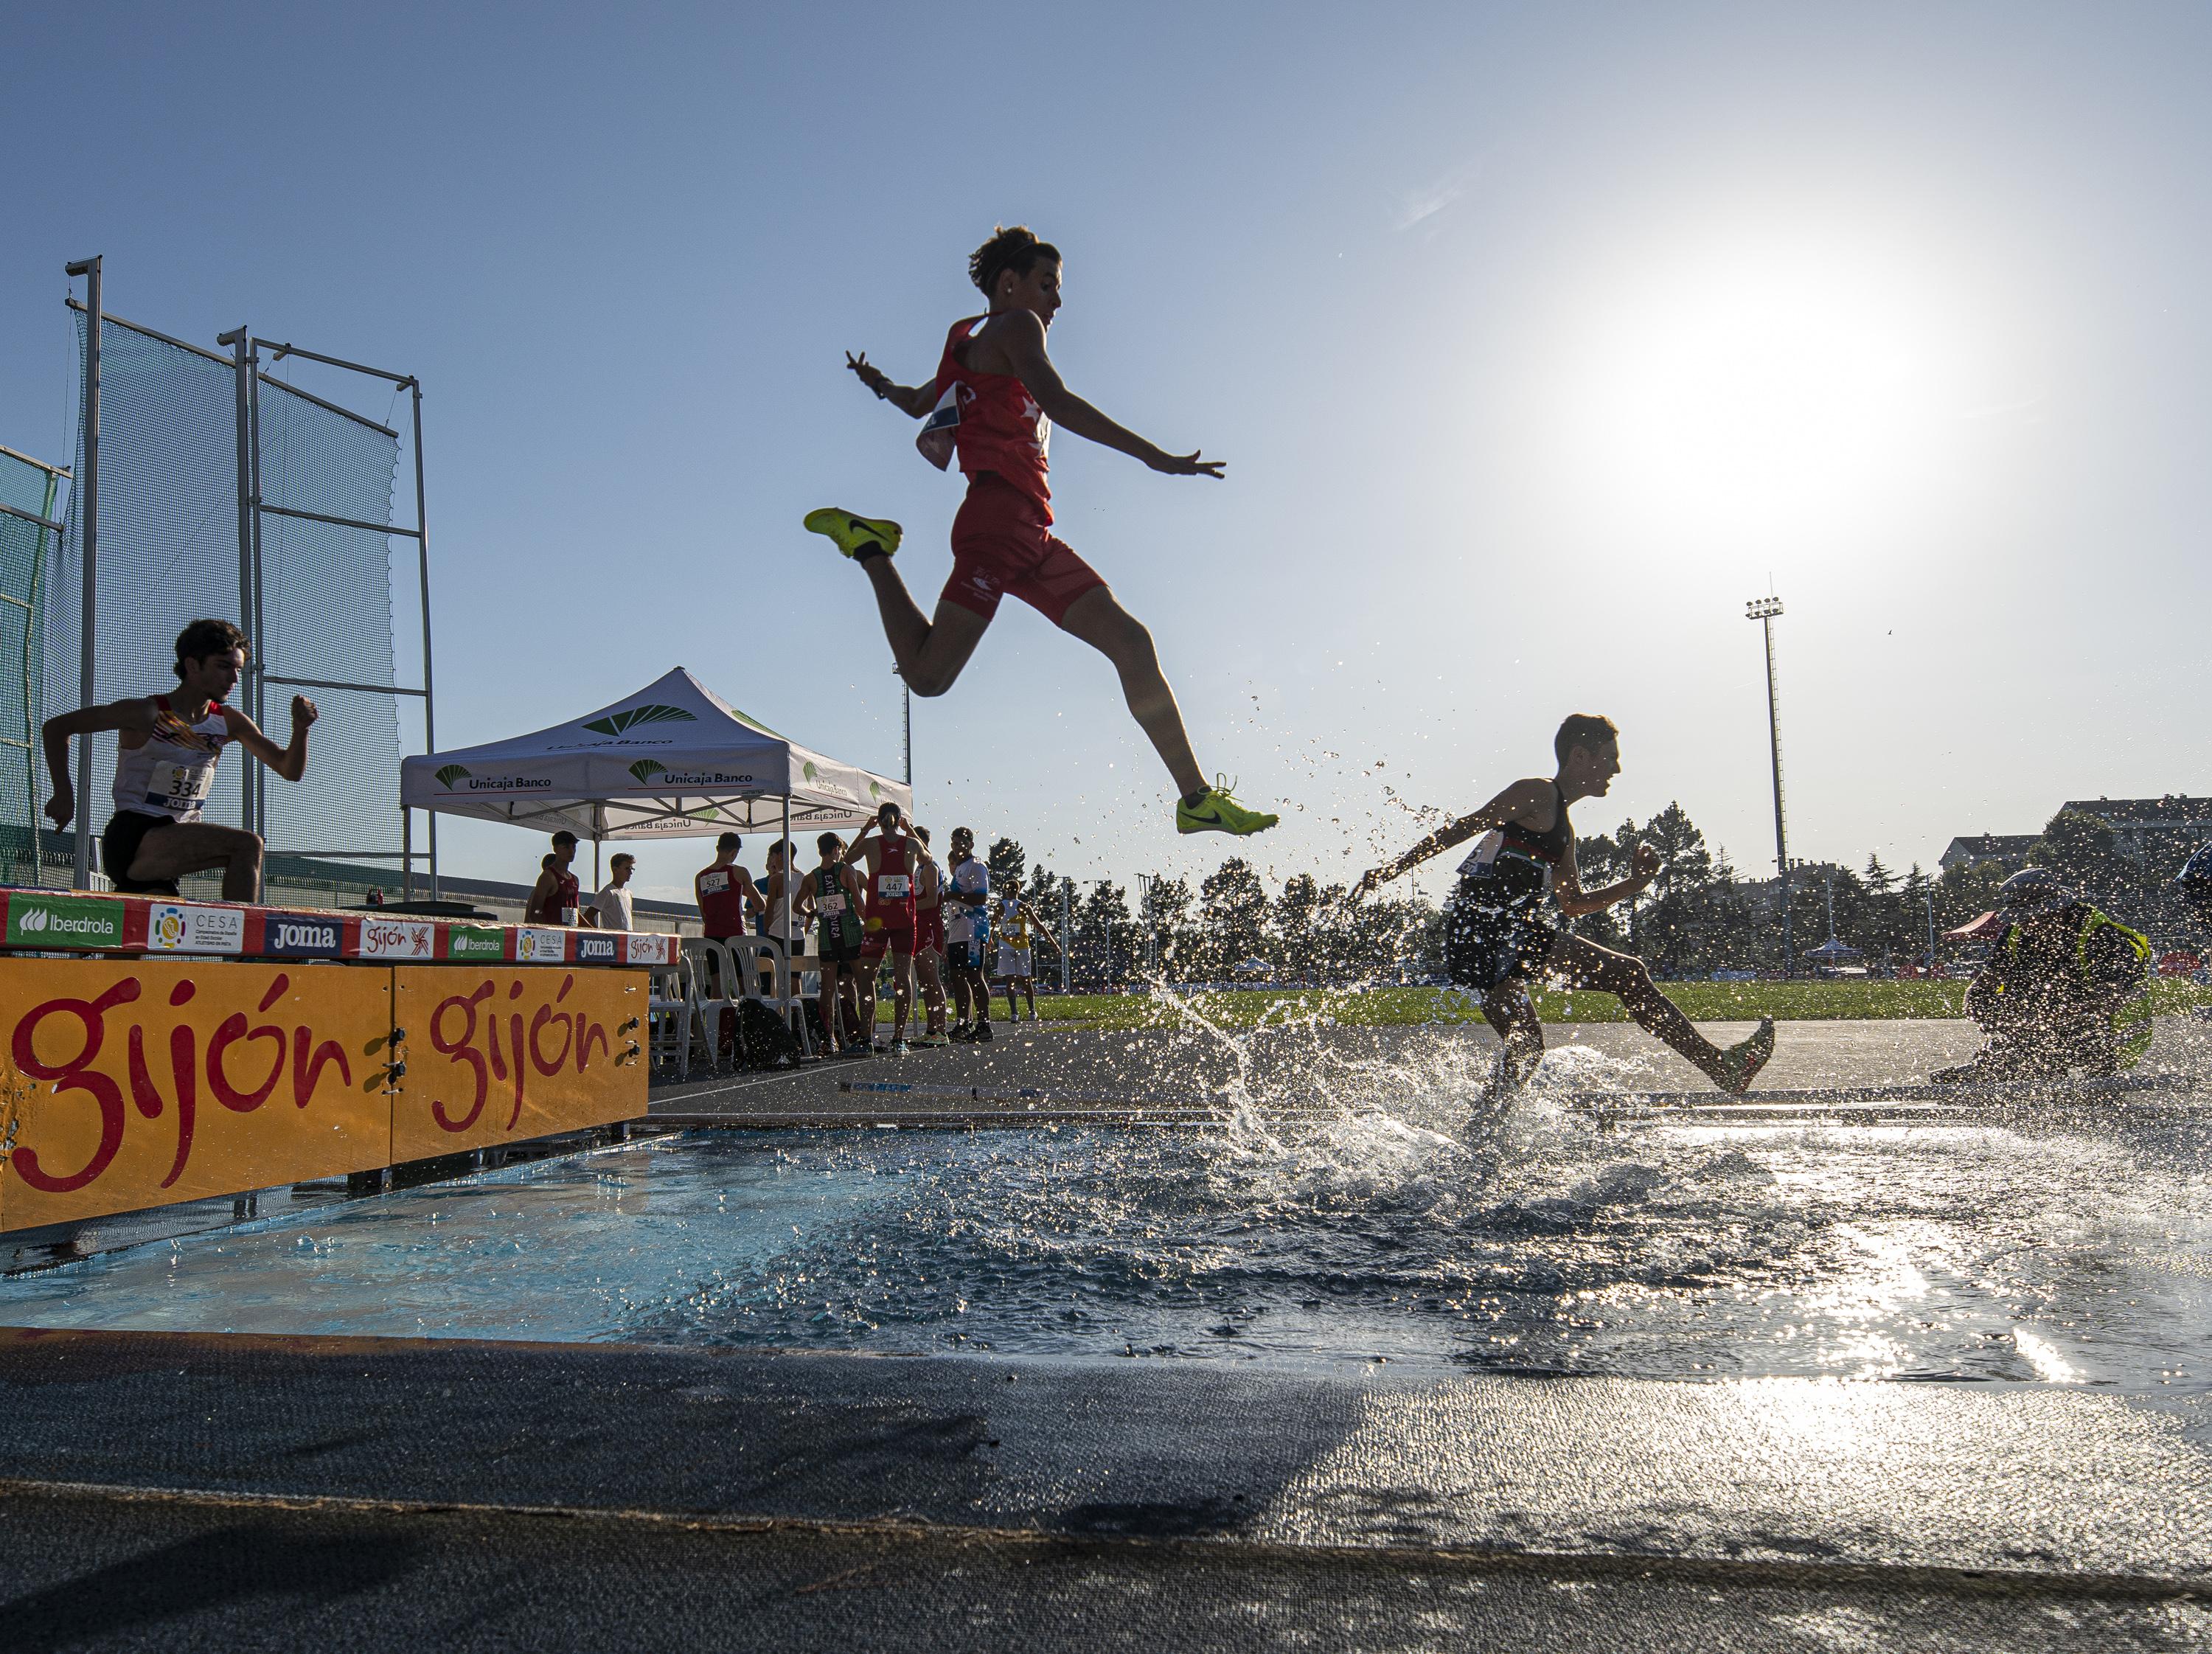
point(886, 938)
point(1002, 544)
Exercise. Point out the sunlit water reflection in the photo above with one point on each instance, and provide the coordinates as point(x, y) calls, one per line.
point(1390, 1230)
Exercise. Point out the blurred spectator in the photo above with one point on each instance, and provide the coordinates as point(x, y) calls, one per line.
point(612, 909)
point(725, 891)
point(555, 898)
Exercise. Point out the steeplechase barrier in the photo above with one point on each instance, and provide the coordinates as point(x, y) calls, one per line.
point(159, 1051)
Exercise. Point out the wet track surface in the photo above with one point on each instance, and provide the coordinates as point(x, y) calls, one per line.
point(1258, 1481)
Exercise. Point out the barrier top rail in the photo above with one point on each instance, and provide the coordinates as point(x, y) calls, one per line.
point(74, 921)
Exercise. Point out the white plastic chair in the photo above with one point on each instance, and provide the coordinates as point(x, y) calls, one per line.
point(671, 1003)
point(712, 974)
point(753, 956)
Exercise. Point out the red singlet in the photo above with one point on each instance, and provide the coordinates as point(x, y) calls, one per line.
point(995, 423)
point(721, 903)
point(890, 893)
point(1001, 540)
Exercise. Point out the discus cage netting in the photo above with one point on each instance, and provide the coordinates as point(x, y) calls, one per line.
point(185, 531)
point(30, 533)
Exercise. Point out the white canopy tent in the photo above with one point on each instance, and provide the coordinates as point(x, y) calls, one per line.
point(672, 761)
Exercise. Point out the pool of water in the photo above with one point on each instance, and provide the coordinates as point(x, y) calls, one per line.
point(1533, 1242)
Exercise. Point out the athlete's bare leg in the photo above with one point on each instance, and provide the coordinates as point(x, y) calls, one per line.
point(930, 652)
point(902, 994)
point(1624, 976)
point(864, 994)
point(932, 991)
point(830, 1027)
point(191, 847)
point(1100, 620)
point(1509, 1010)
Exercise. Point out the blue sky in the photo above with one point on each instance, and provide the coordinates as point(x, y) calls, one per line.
point(1537, 338)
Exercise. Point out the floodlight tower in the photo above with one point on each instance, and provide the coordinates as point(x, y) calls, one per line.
point(1763, 610)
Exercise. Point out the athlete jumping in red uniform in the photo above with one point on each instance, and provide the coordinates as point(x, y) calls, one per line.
point(993, 403)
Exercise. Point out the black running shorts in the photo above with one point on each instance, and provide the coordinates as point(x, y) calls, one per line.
point(119, 848)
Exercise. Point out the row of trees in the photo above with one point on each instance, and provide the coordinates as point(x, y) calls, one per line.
point(1699, 917)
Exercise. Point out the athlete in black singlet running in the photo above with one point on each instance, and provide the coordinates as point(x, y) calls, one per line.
point(1500, 934)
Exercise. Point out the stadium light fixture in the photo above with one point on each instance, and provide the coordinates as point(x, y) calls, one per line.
point(1765, 610)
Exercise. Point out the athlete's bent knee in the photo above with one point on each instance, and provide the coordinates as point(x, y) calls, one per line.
point(930, 682)
point(1132, 646)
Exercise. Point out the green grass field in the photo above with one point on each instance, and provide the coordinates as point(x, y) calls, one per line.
point(1808, 1001)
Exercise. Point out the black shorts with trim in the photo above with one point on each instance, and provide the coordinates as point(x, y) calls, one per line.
point(125, 831)
point(1487, 941)
point(831, 947)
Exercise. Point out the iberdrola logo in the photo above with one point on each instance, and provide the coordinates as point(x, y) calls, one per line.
point(615, 722)
point(645, 769)
point(448, 774)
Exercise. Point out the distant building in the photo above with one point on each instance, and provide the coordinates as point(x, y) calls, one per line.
point(2152, 828)
point(2008, 850)
point(1766, 893)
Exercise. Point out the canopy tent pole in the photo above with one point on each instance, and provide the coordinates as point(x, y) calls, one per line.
point(788, 891)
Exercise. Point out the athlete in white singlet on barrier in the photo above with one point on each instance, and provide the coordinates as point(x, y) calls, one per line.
point(167, 746)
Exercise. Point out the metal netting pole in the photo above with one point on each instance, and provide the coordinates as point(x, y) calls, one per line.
point(253, 802)
point(423, 563)
point(89, 543)
point(242, 366)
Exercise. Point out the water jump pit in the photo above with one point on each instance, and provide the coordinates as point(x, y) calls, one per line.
point(1327, 1359)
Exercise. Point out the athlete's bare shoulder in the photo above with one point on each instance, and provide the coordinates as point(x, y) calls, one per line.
point(1004, 342)
point(1532, 802)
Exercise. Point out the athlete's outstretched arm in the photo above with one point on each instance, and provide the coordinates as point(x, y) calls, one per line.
point(289, 762)
point(134, 716)
point(914, 400)
point(1021, 335)
point(1575, 901)
point(1521, 798)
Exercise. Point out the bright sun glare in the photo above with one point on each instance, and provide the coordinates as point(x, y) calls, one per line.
point(1737, 386)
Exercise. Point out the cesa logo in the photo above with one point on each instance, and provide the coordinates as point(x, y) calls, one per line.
point(541, 946)
point(299, 935)
point(172, 929)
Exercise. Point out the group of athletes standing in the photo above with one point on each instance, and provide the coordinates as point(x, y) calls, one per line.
point(883, 897)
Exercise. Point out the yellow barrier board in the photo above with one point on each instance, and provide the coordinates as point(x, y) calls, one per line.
point(141, 1083)
point(505, 1053)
